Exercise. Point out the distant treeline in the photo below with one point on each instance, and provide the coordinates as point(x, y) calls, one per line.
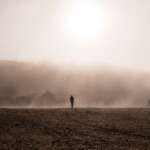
point(24, 83)
point(46, 99)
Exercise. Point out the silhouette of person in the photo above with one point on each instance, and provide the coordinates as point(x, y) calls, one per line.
point(72, 101)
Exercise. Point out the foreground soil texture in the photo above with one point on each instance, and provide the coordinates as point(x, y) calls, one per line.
point(78, 129)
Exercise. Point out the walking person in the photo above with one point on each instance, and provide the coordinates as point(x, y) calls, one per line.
point(72, 101)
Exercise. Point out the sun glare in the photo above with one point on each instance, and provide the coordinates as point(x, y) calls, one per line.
point(85, 20)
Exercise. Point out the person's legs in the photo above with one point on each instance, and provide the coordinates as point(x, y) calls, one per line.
point(72, 105)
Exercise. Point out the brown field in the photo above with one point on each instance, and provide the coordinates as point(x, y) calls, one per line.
point(80, 129)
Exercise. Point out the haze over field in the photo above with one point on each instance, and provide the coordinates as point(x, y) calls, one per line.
point(49, 85)
point(97, 50)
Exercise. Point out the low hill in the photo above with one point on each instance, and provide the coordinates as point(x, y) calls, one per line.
point(99, 85)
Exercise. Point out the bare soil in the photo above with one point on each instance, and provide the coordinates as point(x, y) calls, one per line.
point(79, 129)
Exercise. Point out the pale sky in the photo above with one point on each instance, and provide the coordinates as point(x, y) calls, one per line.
point(115, 32)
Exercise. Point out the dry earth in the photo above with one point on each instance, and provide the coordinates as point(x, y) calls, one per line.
point(80, 129)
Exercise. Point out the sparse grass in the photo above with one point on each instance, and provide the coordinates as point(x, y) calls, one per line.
point(79, 129)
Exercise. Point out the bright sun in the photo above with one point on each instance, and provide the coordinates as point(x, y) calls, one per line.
point(84, 25)
point(85, 20)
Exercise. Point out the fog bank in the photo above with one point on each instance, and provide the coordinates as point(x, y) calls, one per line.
point(50, 85)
